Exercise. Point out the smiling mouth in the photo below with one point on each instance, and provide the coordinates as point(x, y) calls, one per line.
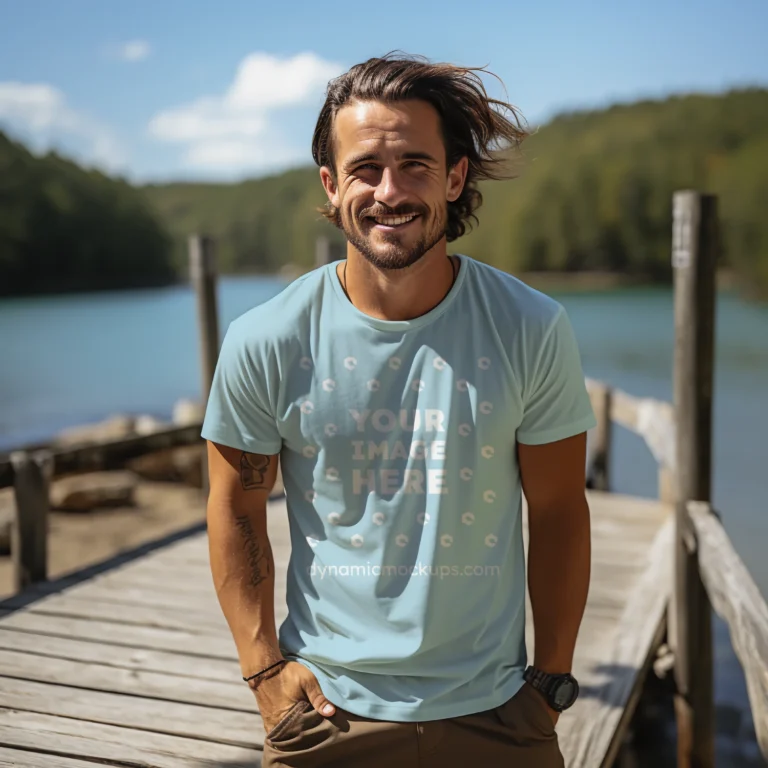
point(393, 222)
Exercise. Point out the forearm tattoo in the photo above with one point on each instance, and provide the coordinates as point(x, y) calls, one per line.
point(253, 471)
point(257, 556)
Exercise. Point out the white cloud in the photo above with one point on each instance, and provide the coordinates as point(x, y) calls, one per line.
point(40, 113)
point(237, 154)
point(232, 131)
point(133, 50)
point(265, 82)
point(206, 119)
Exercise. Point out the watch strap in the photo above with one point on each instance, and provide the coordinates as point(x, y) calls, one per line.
point(541, 681)
point(548, 684)
point(545, 682)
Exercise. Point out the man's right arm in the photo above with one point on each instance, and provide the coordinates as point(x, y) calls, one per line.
point(242, 564)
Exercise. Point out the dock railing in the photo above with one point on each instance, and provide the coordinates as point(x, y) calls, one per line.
point(30, 472)
point(730, 589)
point(708, 573)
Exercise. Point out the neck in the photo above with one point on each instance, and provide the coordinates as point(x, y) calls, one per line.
point(397, 294)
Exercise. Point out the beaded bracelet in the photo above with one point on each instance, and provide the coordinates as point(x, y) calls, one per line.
point(252, 677)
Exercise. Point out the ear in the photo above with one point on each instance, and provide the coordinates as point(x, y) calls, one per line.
point(330, 185)
point(457, 175)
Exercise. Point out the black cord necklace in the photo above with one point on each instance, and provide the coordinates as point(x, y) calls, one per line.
point(453, 267)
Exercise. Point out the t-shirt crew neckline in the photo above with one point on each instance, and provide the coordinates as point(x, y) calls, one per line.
point(398, 325)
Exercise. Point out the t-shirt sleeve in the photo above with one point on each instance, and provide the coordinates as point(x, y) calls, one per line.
point(556, 401)
point(238, 413)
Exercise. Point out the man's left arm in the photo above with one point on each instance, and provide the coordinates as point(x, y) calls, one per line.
point(559, 555)
point(551, 453)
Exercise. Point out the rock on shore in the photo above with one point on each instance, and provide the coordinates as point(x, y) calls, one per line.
point(81, 493)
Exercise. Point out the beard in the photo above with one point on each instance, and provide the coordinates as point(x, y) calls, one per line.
point(393, 254)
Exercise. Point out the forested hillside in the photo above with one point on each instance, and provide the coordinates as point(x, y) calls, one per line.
point(64, 228)
point(259, 225)
point(593, 194)
point(597, 187)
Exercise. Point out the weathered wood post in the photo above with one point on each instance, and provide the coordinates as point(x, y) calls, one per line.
point(202, 270)
point(323, 251)
point(600, 469)
point(29, 531)
point(327, 251)
point(694, 256)
point(667, 485)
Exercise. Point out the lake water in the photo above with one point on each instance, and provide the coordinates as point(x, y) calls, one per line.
point(73, 359)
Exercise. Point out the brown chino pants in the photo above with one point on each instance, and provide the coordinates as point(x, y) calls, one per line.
point(517, 733)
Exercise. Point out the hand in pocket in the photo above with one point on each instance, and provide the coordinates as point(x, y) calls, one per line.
point(279, 694)
point(553, 715)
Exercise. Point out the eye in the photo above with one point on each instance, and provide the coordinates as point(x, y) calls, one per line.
point(416, 162)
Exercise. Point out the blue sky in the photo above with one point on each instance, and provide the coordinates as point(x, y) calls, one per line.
point(185, 89)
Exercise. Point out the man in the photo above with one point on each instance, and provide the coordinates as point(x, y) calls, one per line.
point(409, 397)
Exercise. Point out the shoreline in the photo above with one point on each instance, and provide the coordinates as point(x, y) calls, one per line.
point(585, 281)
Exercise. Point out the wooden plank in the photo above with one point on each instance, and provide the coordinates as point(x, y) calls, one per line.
point(635, 694)
point(609, 541)
point(737, 600)
point(111, 591)
point(220, 646)
point(600, 618)
point(190, 586)
point(595, 727)
point(172, 582)
point(626, 531)
point(137, 605)
point(21, 758)
point(233, 694)
point(195, 721)
point(620, 522)
point(182, 581)
point(619, 517)
point(97, 742)
point(178, 664)
point(204, 620)
point(630, 515)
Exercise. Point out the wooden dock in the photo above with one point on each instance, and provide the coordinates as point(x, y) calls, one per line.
point(135, 665)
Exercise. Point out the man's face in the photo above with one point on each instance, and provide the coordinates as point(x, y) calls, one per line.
point(392, 186)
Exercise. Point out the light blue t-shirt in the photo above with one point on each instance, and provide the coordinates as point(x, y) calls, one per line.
point(406, 583)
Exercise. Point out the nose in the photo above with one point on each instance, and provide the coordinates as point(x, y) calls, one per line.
point(390, 190)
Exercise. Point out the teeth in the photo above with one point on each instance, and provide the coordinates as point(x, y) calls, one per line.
point(394, 221)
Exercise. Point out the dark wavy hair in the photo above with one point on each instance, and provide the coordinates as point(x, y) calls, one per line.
point(473, 124)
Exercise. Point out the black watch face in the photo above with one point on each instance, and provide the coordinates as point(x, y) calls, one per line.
point(566, 693)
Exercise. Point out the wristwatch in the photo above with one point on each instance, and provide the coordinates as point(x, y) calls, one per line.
point(560, 691)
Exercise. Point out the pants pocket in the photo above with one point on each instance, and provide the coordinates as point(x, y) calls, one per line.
point(283, 727)
point(527, 714)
